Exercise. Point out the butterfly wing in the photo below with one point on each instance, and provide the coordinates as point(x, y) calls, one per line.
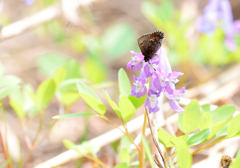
point(143, 43)
point(150, 43)
point(155, 42)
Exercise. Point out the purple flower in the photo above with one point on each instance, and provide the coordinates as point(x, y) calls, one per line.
point(150, 68)
point(175, 106)
point(208, 22)
point(162, 80)
point(137, 61)
point(152, 101)
point(171, 81)
point(174, 99)
point(139, 89)
point(29, 2)
point(236, 26)
point(219, 10)
point(158, 81)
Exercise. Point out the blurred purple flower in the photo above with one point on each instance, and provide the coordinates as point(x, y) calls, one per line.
point(219, 10)
point(29, 2)
point(152, 101)
point(163, 80)
point(208, 22)
point(174, 98)
point(139, 89)
point(137, 61)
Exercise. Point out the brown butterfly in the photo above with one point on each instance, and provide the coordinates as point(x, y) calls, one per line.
point(150, 43)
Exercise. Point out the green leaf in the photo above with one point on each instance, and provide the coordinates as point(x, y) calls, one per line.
point(148, 151)
point(217, 127)
point(137, 102)
point(94, 70)
point(69, 97)
point(113, 38)
point(9, 80)
point(95, 104)
point(222, 132)
point(82, 148)
point(198, 137)
point(125, 143)
point(164, 138)
point(124, 156)
point(22, 97)
point(68, 144)
point(190, 117)
point(45, 92)
point(59, 75)
point(18, 108)
point(238, 153)
point(234, 126)
point(6, 91)
point(221, 113)
point(82, 88)
point(127, 109)
point(184, 157)
point(124, 83)
point(69, 85)
point(91, 98)
point(73, 69)
point(206, 108)
point(50, 62)
point(66, 116)
point(235, 163)
point(113, 105)
point(206, 121)
point(102, 85)
point(87, 146)
point(121, 165)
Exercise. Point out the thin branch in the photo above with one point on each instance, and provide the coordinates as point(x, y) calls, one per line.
point(37, 19)
point(41, 115)
point(4, 149)
point(129, 137)
point(156, 141)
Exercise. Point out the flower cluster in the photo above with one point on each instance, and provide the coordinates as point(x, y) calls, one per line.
point(220, 10)
point(162, 80)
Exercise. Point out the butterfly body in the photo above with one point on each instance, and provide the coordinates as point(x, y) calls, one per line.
point(150, 43)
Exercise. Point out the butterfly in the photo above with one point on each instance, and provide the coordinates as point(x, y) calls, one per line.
point(150, 43)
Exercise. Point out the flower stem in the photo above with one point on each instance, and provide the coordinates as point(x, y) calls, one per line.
point(203, 146)
point(106, 119)
point(3, 140)
point(4, 149)
point(126, 133)
point(141, 152)
point(41, 115)
point(129, 137)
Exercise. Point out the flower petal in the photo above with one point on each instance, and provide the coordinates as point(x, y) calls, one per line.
point(142, 92)
point(169, 87)
point(236, 25)
point(227, 18)
point(230, 43)
point(175, 106)
point(163, 62)
point(156, 83)
point(175, 74)
point(147, 70)
point(137, 67)
point(139, 55)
